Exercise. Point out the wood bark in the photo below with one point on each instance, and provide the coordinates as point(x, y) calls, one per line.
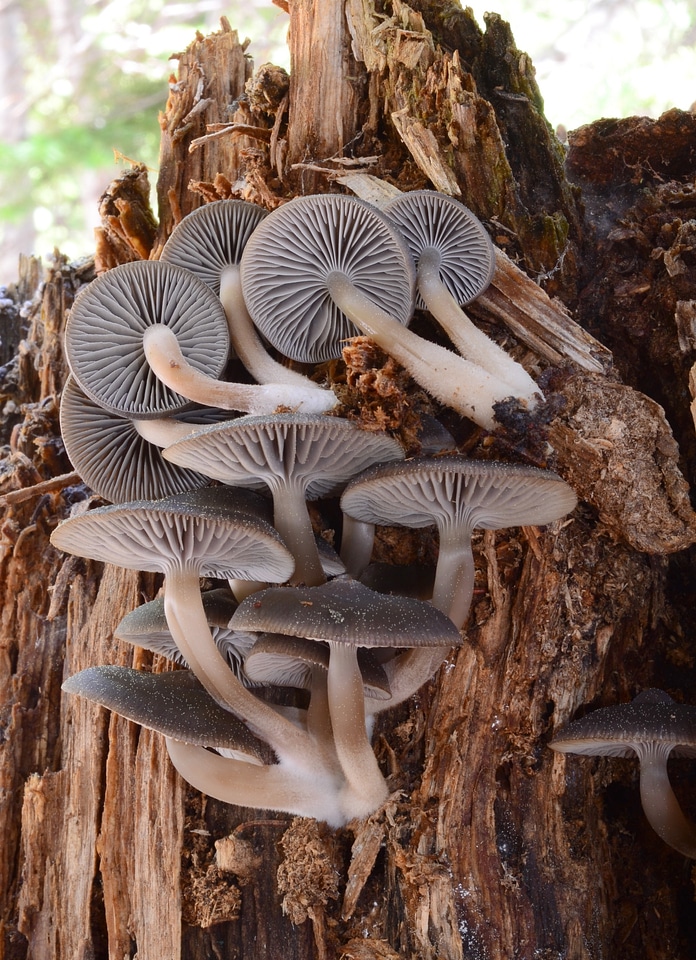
point(490, 846)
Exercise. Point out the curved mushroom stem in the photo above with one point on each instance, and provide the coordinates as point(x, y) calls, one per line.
point(291, 520)
point(248, 346)
point(462, 385)
point(187, 623)
point(660, 805)
point(357, 541)
point(471, 342)
point(169, 365)
point(264, 787)
point(162, 431)
point(366, 788)
point(452, 594)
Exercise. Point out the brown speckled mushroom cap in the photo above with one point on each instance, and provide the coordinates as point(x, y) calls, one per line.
point(345, 611)
point(174, 704)
point(288, 258)
point(624, 729)
point(434, 221)
point(113, 459)
point(147, 627)
point(104, 334)
point(652, 726)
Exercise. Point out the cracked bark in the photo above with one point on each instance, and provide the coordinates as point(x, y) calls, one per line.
point(493, 846)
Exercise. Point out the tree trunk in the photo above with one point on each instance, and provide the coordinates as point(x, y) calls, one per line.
point(491, 845)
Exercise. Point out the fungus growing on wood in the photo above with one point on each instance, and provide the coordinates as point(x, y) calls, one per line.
point(209, 242)
point(297, 456)
point(321, 266)
point(347, 615)
point(653, 727)
point(455, 260)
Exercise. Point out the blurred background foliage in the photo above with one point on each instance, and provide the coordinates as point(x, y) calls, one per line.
point(81, 83)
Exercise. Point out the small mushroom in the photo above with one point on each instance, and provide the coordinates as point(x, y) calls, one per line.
point(209, 242)
point(347, 615)
point(318, 267)
point(455, 260)
point(147, 337)
point(297, 456)
point(652, 726)
point(458, 495)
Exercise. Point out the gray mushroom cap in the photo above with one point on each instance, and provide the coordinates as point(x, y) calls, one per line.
point(622, 730)
point(288, 258)
point(485, 494)
point(104, 334)
point(319, 453)
point(113, 459)
point(203, 528)
point(174, 704)
point(345, 611)
point(147, 627)
point(434, 221)
point(212, 238)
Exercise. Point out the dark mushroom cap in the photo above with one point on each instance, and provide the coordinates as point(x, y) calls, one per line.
point(320, 452)
point(433, 221)
point(345, 611)
point(112, 457)
point(620, 730)
point(288, 661)
point(212, 238)
point(147, 627)
point(292, 252)
point(483, 494)
point(205, 529)
point(174, 704)
point(104, 334)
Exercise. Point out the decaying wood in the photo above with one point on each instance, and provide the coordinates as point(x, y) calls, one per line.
point(490, 845)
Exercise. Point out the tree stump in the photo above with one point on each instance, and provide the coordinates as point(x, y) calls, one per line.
point(490, 846)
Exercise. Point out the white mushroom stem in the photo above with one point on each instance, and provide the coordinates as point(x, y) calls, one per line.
point(366, 788)
point(169, 365)
point(660, 805)
point(291, 520)
point(357, 541)
point(163, 431)
point(187, 623)
point(264, 787)
point(471, 342)
point(248, 346)
point(452, 594)
point(451, 379)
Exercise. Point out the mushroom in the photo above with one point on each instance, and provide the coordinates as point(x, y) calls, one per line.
point(297, 456)
point(347, 615)
point(652, 726)
point(199, 533)
point(458, 495)
point(147, 627)
point(147, 337)
point(320, 266)
point(174, 704)
point(455, 261)
point(209, 242)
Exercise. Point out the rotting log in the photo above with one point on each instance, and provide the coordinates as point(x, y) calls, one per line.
point(490, 846)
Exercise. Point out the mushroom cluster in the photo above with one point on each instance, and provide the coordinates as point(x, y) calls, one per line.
point(198, 493)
